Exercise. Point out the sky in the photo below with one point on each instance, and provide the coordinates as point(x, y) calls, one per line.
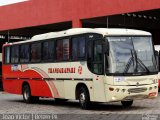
point(7, 2)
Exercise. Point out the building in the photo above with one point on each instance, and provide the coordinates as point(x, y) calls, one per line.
point(22, 20)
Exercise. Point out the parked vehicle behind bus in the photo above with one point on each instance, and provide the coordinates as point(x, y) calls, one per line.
point(1, 86)
point(157, 48)
point(89, 65)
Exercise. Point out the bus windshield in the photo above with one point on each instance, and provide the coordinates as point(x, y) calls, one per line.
point(131, 55)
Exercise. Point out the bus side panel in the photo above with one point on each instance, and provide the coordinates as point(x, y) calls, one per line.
point(8, 86)
point(13, 80)
point(99, 88)
point(59, 86)
point(70, 88)
point(40, 88)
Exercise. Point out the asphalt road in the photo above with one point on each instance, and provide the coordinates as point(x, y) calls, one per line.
point(13, 104)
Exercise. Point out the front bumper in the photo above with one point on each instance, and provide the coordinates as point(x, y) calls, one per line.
point(121, 93)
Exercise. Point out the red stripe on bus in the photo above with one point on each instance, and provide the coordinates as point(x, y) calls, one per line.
point(54, 89)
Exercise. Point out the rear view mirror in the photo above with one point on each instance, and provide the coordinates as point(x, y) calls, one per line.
point(106, 47)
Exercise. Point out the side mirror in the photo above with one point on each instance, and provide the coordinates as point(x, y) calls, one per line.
point(106, 47)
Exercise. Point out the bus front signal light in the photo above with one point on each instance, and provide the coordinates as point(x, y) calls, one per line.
point(117, 89)
point(150, 88)
point(123, 90)
point(152, 94)
point(111, 89)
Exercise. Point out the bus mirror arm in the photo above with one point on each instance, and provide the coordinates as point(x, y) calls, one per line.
point(106, 48)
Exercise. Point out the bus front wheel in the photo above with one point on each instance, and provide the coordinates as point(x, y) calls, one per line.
point(84, 99)
point(27, 98)
point(127, 103)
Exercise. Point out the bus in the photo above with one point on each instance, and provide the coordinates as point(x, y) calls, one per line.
point(157, 48)
point(89, 65)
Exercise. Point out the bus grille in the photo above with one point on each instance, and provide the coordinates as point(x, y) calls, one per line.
point(137, 90)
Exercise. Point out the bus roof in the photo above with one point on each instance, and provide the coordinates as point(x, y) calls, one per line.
point(76, 31)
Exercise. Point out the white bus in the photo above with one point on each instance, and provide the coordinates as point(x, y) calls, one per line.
point(89, 65)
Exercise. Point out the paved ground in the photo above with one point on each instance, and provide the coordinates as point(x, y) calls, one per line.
point(13, 104)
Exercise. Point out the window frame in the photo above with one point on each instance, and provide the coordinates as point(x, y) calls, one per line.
point(29, 61)
point(13, 62)
point(4, 59)
point(85, 35)
point(37, 61)
point(78, 49)
point(54, 51)
point(92, 62)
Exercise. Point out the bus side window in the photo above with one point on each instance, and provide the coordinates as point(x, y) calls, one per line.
point(78, 48)
point(36, 52)
point(45, 47)
point(7, 55)
point(89, 55)
point(74, 49)
point(95, 57)
point(59, 50)
point(15, 54)
point(82, 47)
point(66, 49)
point(24, 53)
point(98, 58)
point(62, 50)
point(48, 51)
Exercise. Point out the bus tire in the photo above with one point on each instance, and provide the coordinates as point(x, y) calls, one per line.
point(84, 99)
point(27, 98)
point(127, 103)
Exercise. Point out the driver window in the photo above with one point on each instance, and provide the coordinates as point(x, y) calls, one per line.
point(98, 58)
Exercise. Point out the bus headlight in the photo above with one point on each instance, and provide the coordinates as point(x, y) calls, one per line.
point(155, 87)
point(111, 89)
point(123, 90)
point(117, 89)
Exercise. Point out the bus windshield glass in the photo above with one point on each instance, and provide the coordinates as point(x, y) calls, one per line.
point(131, 55)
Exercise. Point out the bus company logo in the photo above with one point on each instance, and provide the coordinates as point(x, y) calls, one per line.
point(62, 70)
point(80, 70)
point(14, 68)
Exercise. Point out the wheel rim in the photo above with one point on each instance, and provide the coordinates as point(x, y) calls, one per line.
point(26, 94)
point(82, 98)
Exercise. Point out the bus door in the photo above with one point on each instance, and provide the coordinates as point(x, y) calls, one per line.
point(95, 62)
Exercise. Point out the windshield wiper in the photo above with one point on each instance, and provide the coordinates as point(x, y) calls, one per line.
point(136, 61)
point(142, 65)
point(128, 65)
